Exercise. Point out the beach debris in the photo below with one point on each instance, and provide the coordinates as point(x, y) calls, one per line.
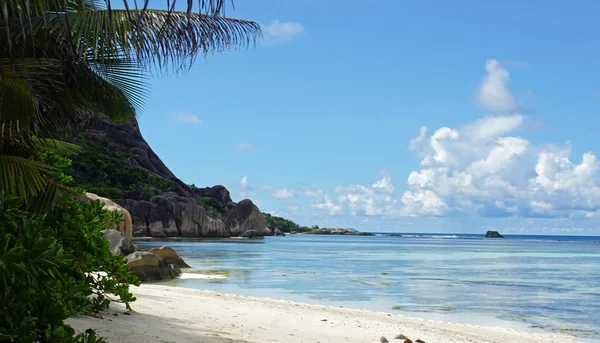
point(323, 320)
point(400, 336)
point(419, 341)
point(383, 339)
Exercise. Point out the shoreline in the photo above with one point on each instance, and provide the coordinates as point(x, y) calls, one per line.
point(197, 239)
point(176, 314)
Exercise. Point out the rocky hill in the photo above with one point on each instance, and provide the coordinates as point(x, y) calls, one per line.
point(117, 163)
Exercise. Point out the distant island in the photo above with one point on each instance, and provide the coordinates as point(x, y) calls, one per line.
point(493, 234)
point(338, 231)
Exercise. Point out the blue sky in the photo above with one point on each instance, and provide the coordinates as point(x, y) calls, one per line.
point(315, 123)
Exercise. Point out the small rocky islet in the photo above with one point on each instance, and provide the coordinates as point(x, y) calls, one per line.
point(493, 234)
point(338, 231)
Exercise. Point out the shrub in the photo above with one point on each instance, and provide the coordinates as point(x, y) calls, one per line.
point(284, 225)
point(210, 204)
point(49, 266)
point(109, 173)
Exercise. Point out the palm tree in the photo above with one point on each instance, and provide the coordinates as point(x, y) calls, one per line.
point(61, 60)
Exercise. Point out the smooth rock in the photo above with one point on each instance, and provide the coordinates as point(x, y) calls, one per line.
point(245, 216)
point(219, 193)
point(126, 226)
point(493, 234)
point(171, 215)
point(149, 267)
point(383, 340)
point(118, 244)
point(169, 256)
point(252, 234)
point(408, 341)
point(400, 336)
point(419, 341)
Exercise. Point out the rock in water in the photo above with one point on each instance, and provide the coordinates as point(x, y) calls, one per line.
point(493, 234)
point(253, 234)
point(169, 256)
point(246, 216)
point(171, 215)
point(331, 231)
point(150, 267)
point(383, 340)
point(126, 227)
point(400, 336)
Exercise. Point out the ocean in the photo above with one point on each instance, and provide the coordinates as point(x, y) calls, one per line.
point(530, 283)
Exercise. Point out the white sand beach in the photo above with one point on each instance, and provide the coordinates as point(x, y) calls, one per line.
point(173, 314)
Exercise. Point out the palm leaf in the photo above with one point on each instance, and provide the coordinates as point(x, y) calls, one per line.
point(21, 176)
point(164, 40)
point(60, 147)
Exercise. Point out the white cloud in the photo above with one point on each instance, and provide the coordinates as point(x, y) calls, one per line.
point(244, 182)
point(278, 32)
point(425, 203)
point(328, 206)
point(482, 167)
point(243, 146)
point(283, 193)
point(187, 118)
point(312, 192)
point(356, 200)
point(416, 143)
point(494, 94)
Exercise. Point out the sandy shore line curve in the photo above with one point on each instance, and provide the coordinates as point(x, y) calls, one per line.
point(173, 314)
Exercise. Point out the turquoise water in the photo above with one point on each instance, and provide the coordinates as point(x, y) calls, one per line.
point(528, 282)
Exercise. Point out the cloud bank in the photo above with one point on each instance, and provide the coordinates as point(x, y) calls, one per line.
point(484, 168)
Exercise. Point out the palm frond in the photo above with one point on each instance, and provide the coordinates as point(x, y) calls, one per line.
point(126, 77)
point(163, 40)
point(60, 147)
point(26, 87)
point(21, 176)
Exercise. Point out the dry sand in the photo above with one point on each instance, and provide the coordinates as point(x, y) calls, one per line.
point(173, 314)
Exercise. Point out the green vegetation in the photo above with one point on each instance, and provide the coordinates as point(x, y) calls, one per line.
point(108, 173)
point(57, 265)
point(61, 63)
point(211, 205)
point(285, 225)
point(398, 308)
point(49, 267)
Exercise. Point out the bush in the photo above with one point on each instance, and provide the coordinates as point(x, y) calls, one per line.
point(283, 224)
point(48, 270)
point(110, 173)
point(210, 204)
